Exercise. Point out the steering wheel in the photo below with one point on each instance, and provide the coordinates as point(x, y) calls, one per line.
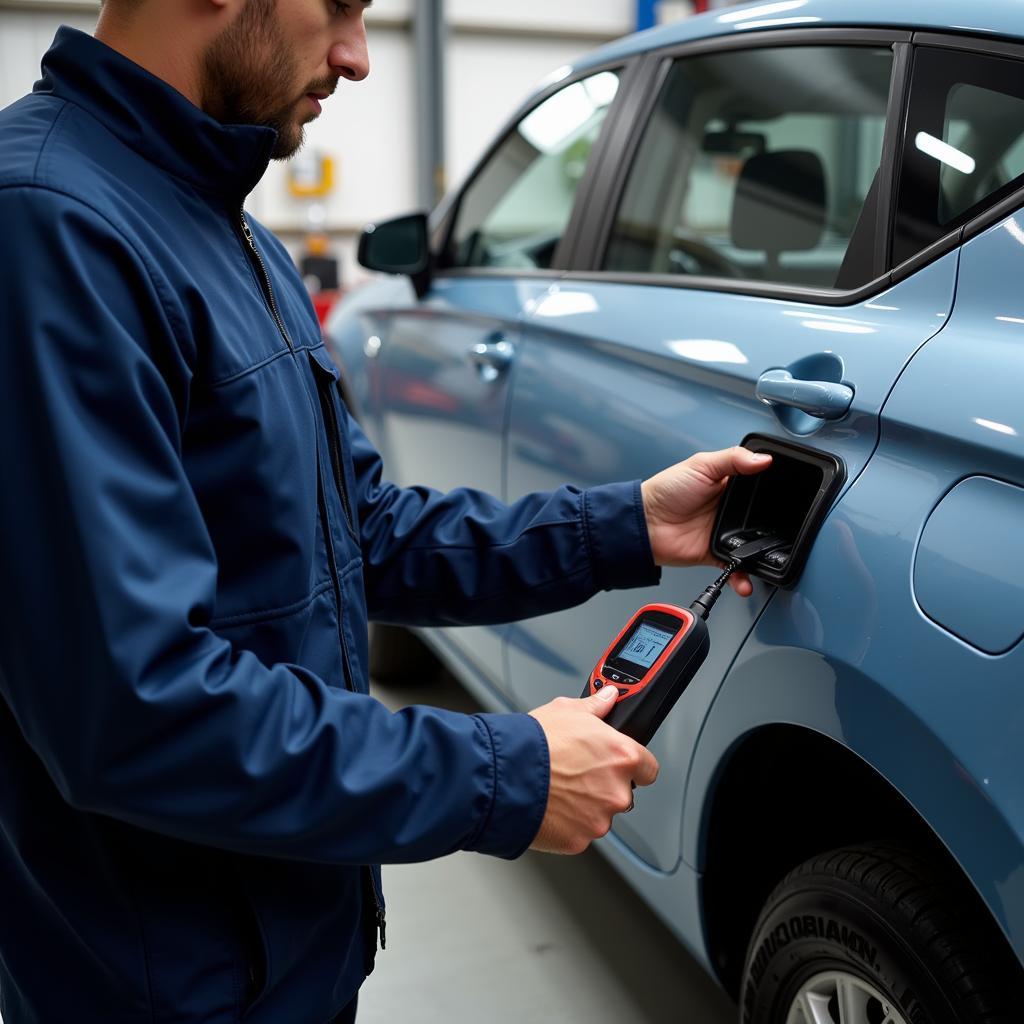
point(708, 259)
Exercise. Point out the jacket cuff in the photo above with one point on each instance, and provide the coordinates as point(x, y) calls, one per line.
point(615, 526)
point(522, 771)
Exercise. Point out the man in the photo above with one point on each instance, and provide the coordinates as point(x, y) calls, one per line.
point(196, 786)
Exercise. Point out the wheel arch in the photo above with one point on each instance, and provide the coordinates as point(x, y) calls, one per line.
point(787, 769)
point(758, 827)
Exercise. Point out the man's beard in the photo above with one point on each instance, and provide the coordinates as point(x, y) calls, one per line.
point(246, 70)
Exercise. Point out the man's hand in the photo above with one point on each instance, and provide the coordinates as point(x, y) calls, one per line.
point(593, 767)
point(681, 503)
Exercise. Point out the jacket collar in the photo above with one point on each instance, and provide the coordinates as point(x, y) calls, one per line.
point(153, 118)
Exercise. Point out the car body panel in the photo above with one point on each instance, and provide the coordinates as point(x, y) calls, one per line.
point(616, 381)
point(940, 719)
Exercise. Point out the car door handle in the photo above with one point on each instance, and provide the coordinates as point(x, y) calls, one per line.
point(492, 358)
point(821, 398)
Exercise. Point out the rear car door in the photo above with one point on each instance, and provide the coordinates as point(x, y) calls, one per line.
point(444, 363)
point(744, 251)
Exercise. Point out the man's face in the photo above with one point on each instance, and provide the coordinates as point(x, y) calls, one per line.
point(276, 62)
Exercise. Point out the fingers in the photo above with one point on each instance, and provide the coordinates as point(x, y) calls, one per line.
point(646, 771)
point(740, 582)
point(733, 461)
point(593, 768)
point(602, 702)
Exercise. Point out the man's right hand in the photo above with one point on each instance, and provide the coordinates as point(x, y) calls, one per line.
point(593, 767)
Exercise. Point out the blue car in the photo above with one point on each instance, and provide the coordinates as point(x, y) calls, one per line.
point(800, 225)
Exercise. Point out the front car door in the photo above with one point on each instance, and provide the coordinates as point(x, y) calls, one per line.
point(741, 238)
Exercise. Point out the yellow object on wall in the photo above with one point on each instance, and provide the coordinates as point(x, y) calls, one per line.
point(310, 175)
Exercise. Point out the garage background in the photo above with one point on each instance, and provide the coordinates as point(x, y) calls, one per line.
point(446, 74)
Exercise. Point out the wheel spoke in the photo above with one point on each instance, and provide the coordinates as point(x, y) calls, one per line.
point(818, 1006)
point(853, 1001)
point(800, 1012)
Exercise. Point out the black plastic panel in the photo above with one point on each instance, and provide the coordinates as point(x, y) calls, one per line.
point(790, 500)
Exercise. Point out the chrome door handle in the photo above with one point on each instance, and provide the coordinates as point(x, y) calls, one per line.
point(819, 398)
point(492, 359)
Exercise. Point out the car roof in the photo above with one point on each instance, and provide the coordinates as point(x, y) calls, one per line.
point(987, 17)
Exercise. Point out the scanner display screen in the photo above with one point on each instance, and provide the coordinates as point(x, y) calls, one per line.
point(645, 644)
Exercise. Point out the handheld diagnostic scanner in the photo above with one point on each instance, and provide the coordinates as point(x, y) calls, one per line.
point(658, 652)
point(650, 663)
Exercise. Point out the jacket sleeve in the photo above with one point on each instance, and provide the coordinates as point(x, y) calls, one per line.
point(466, 558)
point(107, 578)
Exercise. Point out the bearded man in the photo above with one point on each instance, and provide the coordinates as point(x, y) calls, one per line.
point(197, 788)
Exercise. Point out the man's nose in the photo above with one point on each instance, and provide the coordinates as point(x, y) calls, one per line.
point(349, 55)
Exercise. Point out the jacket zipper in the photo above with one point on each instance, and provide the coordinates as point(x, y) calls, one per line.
point(268, 291)
point(333, 433)
point(380, 920)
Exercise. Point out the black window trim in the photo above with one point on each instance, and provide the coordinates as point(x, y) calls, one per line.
point(441, 235)
point(892, 158)
point(990, 46)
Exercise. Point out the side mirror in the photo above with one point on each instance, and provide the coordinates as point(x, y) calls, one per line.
point(399, 246)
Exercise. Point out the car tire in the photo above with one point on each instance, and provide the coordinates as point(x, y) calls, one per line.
point(399, 656)
point(876, 934)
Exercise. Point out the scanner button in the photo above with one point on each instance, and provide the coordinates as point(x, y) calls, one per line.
point(623, 690)
point(598, 683)
point(615, 677)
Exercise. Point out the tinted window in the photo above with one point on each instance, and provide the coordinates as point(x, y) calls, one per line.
point(758, 165)
point(964, 146)
point(515, 211)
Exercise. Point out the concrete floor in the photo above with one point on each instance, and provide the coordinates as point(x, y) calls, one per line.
point(541, 939)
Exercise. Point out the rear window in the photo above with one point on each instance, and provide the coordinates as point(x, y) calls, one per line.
point(964, 145)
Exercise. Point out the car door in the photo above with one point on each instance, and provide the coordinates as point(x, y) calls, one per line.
point(444, 364)
point(741, 257)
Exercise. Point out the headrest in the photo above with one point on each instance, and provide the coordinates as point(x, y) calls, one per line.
point(780, 202)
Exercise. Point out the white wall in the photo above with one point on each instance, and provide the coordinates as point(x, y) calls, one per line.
point(25, 36)
point(497, 53)
point(574, 17)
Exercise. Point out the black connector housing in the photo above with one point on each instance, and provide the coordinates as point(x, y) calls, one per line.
point(782, 508)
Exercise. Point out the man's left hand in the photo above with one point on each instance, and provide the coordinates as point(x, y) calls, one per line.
point(681, 502)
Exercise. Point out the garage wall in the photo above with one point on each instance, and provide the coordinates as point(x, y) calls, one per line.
point(24, 38)
point(497, 52)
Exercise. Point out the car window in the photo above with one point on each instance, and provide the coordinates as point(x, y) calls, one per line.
point(758, 165)
point(515, 211)
point(964, 146)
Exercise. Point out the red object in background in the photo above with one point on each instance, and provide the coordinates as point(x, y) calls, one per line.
point(700, 6)
point(322, 303)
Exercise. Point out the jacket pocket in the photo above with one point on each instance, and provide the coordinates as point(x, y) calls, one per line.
point(326, 375)
point(256, 953)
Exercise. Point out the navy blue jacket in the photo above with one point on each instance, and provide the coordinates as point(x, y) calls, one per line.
point(193, 534)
